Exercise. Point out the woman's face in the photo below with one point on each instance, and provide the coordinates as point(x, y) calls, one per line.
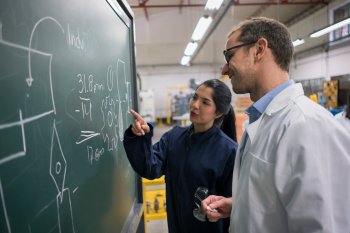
point(202, 109)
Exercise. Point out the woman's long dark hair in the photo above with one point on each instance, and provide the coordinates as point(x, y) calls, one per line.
point(347, 111)
point(228, 125)
point(222, 98)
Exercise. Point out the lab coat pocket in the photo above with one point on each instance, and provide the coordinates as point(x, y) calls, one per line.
point(262, 192)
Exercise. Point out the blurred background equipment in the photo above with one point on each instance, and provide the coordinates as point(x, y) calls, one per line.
point(330, 90)
point(147, 107)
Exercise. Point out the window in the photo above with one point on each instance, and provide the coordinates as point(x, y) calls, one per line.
point(339, 14)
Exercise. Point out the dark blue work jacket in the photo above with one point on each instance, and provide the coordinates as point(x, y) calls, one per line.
point(188, 161)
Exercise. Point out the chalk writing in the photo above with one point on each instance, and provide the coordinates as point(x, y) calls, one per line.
point(88, 85)
point(4, 211)
point(74, 39)
point(94, 154)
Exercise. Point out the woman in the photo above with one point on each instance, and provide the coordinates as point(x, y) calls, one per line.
point(199, 155)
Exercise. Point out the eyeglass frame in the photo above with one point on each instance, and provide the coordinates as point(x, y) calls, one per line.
point(236, 47)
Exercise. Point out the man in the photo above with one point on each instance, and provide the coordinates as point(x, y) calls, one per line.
point(292, 167)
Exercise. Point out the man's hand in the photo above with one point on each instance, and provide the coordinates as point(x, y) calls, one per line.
point(217, 207)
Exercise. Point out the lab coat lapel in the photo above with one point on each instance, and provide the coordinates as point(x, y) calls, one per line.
point(251, 131)
point(243, 148)
point(241, 152)
point(237, 166)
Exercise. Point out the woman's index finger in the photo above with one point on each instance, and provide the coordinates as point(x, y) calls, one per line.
point(135, 114)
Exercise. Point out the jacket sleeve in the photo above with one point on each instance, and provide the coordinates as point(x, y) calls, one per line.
point(311, 177)
point(224, 187)
point(147, 160)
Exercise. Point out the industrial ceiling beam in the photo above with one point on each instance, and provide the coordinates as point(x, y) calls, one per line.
point(166, 5)
point(142, 4)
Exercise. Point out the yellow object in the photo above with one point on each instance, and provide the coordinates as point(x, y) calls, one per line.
point(159, 122)
point(313, 97)
point(330, 90)
point(168, 120)
point(154, 201)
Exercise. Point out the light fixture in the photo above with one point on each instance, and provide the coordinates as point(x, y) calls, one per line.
point(201, 28)
point(190, 48)
point(213, 4)
point(331, 28)
point(298, 42)
point(185, 61)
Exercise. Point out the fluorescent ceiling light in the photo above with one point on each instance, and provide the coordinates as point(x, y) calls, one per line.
point(185, 61)
point(190, 48)
point(298, 42)
point(213, 4)
point(201, 28)
point(331, 28)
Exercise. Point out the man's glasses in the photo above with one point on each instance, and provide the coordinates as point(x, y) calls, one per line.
point(200, 194)
point(229, 56)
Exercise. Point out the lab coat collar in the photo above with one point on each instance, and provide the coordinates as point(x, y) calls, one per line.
point(284, 98)
point(278, 103)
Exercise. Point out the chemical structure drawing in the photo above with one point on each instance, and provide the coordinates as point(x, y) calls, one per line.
point(112, 106)
point(58, 169)
point(58, 163)
point(109, 128)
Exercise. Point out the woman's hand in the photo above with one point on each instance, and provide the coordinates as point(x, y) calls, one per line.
point(140, 126)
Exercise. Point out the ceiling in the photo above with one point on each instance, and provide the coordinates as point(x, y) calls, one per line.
point(164, 27)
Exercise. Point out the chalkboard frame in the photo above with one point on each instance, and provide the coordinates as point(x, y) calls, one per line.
point(132, 222)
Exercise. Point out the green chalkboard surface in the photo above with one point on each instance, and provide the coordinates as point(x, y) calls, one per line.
point(67, 80)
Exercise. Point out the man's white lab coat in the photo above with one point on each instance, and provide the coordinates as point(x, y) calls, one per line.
point(294, 175)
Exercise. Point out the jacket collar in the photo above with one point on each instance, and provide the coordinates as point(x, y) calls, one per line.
point(202, 135)
point(278, 103)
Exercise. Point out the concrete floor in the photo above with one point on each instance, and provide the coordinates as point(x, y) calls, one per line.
point(157, 226)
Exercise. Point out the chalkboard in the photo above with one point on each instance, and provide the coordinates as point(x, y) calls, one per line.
point(67, 80)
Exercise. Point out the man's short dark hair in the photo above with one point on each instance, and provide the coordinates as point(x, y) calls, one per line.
point(276, 33)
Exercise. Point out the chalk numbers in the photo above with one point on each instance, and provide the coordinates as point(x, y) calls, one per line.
point(87, 84)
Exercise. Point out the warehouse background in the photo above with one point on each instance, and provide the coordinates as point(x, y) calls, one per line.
point(164, 28)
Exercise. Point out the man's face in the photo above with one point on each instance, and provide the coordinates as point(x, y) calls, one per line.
point(239, 66)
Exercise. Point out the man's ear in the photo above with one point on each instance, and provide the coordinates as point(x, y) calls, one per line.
point(261, 47)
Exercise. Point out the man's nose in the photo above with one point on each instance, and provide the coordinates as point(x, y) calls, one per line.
point(224, 70)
